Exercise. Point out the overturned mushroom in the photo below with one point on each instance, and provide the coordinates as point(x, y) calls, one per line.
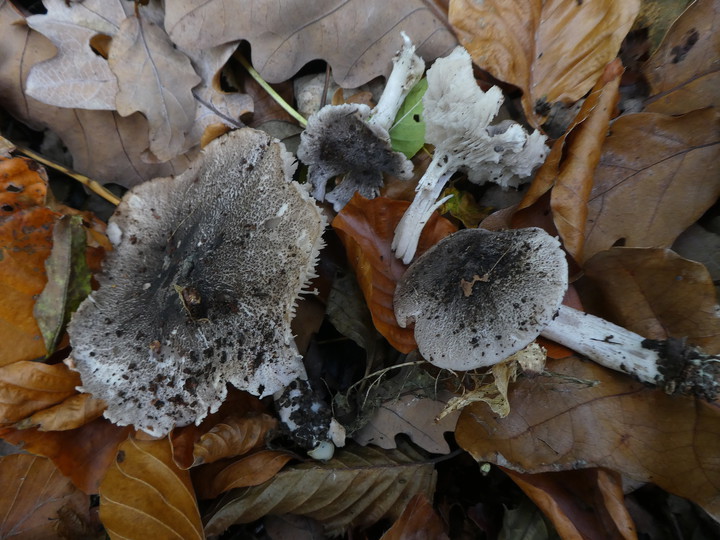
point(201, 287)
point(352, 140)
point(478, 297)
point(457, 122)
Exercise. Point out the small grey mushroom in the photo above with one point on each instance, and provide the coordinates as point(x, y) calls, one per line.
point(479, 296)
point(201, 287)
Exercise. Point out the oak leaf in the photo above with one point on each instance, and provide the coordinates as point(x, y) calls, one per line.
point(356, 488)
point(145, 495)
point(657, 294)
point(598, 417)
point(656, 177)
point(357, 38)
point(683, 73)
point(366, 228)
point(37, 501)
point(553, 51)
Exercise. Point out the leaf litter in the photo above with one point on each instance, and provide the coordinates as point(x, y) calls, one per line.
point(618, 191)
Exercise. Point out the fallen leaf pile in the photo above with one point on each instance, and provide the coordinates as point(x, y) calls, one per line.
point(124, 92)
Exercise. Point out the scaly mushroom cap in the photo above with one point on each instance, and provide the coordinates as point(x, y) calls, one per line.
point(201, 287)
point(480, 296)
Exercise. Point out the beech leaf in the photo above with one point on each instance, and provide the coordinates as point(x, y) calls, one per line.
point(553, 51)
point(233, 436)
point(683, 73)
point(600, 418)
point(419, 521)
point(366, 228)
point(656, 177)
point(357, 38)
point(37, 501)
point(156, 79)
point(657, 294)
point(357, 488)
point(145, 495)
point(73, 412)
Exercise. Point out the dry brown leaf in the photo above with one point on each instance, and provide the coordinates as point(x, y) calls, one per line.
point(234, 436)
point(568, 169)
point(104, 145)
point(419, 521)
point(37, 501)
point(587, 504)
point(145, 495)
point(75, 411)
point(27, 387)
point(366, 228)
point(251, 470)
point(357, 38)
point(656, 177)
point(358, 487)
point(76, 77)
point(558, 423)
point(81, 454)
point(657, 294)
point(414, 416)
point(683, 73)
point(156, 79)
point(553, 51)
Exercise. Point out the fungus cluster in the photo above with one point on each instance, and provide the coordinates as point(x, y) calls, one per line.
point(201, 287)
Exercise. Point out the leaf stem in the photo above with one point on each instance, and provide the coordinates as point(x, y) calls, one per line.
point(91, 184)
point(273, 94)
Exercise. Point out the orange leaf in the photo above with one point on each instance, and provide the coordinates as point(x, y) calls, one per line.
point(21, 185)
point(558, 423)
point(145, 495)
point(419, 521)
point(28, 387)
point(588, 503)
point(234, 436)
point(75, 411)
point(656, 177)
point(554, 51)
point(657, 294)
point(570, 165)
point(37, 501)
point(366, 228)
point(81, 454)
point(252, 470)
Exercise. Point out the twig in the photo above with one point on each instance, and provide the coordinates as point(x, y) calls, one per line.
point(273, 94)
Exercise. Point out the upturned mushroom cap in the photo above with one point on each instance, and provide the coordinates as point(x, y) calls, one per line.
point(201, 287)
point(479, 296)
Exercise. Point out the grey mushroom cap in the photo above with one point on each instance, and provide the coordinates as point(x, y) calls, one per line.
point(479, 296)
point(201, 287)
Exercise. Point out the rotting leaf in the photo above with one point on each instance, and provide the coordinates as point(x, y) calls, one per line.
point(145, 495)
point(23, 185)
point(247, 471)
point(36, 498)
point(656, 177)
point(356, 488)
point(553, 51)
point(655, 293)
point(561, 422)
point(357, 39)
point(580, 503)
point(366, 227)
point(407, 134)
point(683, 73)
point(68, 278)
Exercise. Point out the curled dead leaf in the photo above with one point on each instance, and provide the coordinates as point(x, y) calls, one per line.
point(233, 436)
point(75, 411)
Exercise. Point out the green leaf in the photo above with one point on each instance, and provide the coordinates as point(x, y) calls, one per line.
point(68, 279)
point(407, 133)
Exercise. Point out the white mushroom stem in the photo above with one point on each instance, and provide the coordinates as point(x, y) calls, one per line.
point(671, 365)
point(407, 70)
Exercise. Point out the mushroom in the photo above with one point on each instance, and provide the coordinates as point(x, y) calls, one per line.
point(479, 296)
point(351, 139)
point(201, 288)
point(457, 117)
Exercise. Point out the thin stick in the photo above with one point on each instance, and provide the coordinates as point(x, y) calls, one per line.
point(273, 94)
point(92, 185)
